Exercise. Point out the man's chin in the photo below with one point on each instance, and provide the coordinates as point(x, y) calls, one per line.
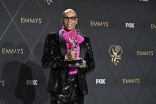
point(69, 29)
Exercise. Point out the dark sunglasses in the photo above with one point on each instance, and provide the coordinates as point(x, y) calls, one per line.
point(67, 18)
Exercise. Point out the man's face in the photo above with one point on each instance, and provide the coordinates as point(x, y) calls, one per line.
point(69, 23)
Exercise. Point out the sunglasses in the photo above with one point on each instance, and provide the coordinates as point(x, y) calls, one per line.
point(67, 18)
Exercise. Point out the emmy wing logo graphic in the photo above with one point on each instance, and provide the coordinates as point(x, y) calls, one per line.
point(49, 1)
point(115, 52)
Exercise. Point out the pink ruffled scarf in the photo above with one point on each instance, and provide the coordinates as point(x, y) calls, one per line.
point(80, 39)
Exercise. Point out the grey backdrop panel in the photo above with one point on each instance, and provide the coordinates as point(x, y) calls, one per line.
point(128, 78)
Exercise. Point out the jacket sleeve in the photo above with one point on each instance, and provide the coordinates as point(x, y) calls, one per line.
point(52, 57)
point(90, 63)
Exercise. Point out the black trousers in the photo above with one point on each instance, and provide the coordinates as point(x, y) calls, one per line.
point(70, 94)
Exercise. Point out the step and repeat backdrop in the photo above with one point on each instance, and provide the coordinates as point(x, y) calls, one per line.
point(123, 38)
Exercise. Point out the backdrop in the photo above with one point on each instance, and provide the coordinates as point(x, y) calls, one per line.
point(123, 38)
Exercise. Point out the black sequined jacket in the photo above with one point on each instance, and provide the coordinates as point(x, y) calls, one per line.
point(53, 57)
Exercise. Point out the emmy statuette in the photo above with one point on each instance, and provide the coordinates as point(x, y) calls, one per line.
point(74, 62)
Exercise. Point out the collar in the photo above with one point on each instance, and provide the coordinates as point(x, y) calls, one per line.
point(79, 40)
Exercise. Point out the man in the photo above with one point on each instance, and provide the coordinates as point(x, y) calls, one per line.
point(67, 85)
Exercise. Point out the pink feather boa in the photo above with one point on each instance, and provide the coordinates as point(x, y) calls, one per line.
point(80, 39)
point(69, 45)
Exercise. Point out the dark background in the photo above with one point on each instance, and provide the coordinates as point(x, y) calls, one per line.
point(16, 69)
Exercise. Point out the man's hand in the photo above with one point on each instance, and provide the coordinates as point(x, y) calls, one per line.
point(71, 54)
point(84, 64)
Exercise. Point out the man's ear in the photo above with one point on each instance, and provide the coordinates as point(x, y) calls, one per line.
point(76, 20)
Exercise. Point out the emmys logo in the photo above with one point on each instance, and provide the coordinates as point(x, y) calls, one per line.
point(147, 53)
point(31, 82)
point(153, 26)
point(93, 23)
point(129, 25)
point(49, 1)
point(12, 51)
point(31, 20)
point(137, 80)
point(144, 0)
point(100, 81)
point(2, 82)
point(115, 52)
